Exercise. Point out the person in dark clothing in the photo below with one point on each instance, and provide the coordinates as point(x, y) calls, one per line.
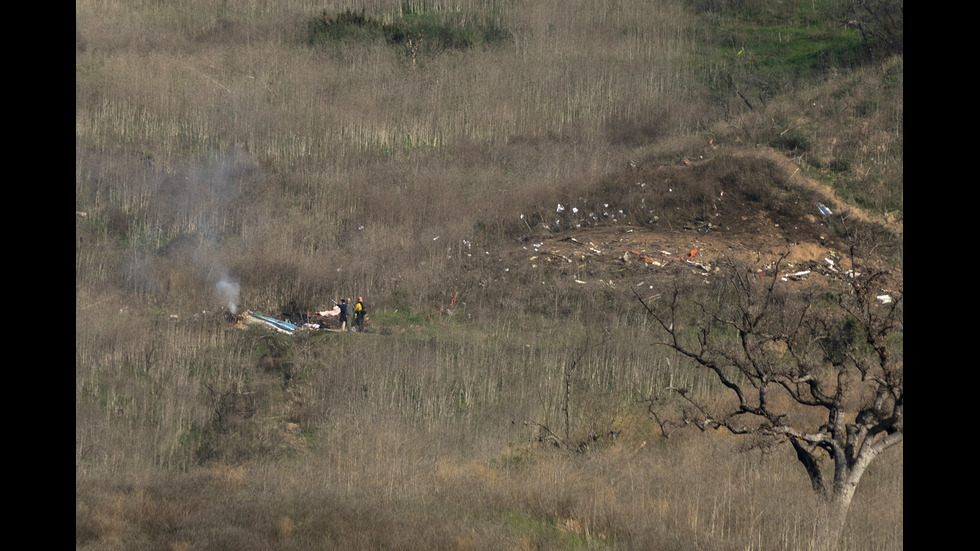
point(359, 311)
point(343, 314)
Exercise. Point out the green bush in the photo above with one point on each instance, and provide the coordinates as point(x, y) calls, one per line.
point(793, 141)
point(418, 29)
point(840, 164)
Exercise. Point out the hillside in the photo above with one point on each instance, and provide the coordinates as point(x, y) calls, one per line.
point(518, 190)
point(782, 233)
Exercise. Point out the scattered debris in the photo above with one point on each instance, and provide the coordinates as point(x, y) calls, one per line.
point(329, 313)
point(667, 256)
point(646, 258)
point(268, 321)
point(823, 209)
point(794, 276)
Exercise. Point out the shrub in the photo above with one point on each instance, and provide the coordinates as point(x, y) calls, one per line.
point(840, 164)
point(794, 141)
point(417, 29)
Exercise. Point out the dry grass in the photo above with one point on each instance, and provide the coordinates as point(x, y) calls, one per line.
point(429, 429)
point(391, 487)
point(210, 140)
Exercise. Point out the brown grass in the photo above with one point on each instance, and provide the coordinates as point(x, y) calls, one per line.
point(209, 140)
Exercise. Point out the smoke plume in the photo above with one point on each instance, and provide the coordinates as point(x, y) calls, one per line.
point(227, 288)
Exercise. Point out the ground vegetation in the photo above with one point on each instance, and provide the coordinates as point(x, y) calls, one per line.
point(500, 181)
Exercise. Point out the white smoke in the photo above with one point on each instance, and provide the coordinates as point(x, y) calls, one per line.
point(227, 288)
point(200, 204)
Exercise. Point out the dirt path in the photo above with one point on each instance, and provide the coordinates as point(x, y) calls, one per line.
point(799, 178)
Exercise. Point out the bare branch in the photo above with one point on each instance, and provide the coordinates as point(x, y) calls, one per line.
point(785, 357)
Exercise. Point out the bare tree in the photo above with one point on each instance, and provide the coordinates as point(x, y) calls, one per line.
point(822, 372)
point(880, 22)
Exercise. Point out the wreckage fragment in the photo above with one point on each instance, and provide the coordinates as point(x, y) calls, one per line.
point(268, 321)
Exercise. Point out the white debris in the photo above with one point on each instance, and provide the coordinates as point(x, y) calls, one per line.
point(787, 277)
point(884, 299)
point(560, 208)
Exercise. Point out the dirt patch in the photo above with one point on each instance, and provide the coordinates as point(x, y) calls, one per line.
point(765, 235)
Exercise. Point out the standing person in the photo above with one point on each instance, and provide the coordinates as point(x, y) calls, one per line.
point(343, 314)
point(359, 311)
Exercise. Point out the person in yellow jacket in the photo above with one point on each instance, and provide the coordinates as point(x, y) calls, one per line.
point(359, 311)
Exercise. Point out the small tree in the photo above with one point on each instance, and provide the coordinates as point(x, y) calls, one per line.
point(821, 371)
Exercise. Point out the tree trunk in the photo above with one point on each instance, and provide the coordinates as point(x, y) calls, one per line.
point(834, 514)
point(830, 525)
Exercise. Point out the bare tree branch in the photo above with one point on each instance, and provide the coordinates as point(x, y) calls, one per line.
point(784, 358)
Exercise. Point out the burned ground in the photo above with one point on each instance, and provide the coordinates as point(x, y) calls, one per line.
point(752, 208)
